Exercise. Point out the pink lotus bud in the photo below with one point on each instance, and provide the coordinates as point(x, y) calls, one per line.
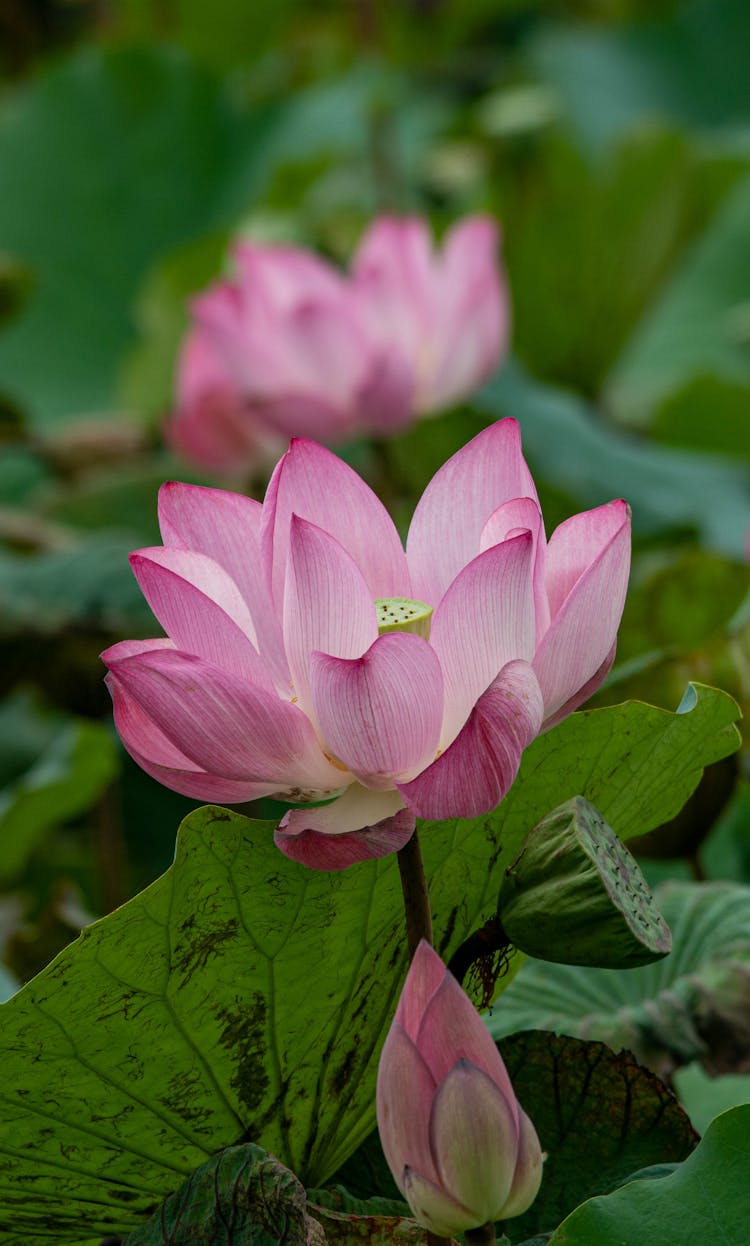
point(289, 346)
point(461, 1149)
point(309, 656)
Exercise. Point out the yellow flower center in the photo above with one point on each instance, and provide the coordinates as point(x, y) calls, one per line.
point(399, 614)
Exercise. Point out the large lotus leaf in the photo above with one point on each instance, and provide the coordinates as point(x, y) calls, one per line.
point(704, 1201)
point(693, 1005)
point(599, 1117)
point(669, 490)
point(698, 326)
point(108, 160)
point(242, 996)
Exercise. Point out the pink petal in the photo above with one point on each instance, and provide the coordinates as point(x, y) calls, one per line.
point(473, 775)
point(452, 1030)
point(473, 313)
point(327, 604)
point(404, 1097)
point(201, 609)
point(393, 273)
point(576, 544)
point(381, 713)
point(434, 1208)
point(312, 483)
point(127, 648)
point(527, 1177)
point(474, 1140)
point(583, 694)
point(226, 527)
point(510, 518)
point(584, 627)
point(200, 369)
point(326, 351)
point(484, 621)
point(332, 848)
point(425, 975)
point(446, 530)
point(154, 753)
point(280, 276)
point(225, 725)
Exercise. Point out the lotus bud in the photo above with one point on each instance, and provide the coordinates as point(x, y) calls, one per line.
point(461, 1149)
point(576, 895)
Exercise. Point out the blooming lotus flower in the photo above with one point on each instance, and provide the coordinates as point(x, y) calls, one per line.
point(309, 657)
point(290, 346)
point(461, 1148)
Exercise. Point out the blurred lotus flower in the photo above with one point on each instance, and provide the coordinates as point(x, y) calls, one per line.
point(289, 346)
point(460, 1147)
point(309, 657)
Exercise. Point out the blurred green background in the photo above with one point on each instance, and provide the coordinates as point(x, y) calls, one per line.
point(612, 140)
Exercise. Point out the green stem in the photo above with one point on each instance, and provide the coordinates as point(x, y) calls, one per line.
point(416, 895)
point(483, 1236)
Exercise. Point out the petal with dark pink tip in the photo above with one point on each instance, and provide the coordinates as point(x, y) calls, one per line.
point(226, 527)
point(154, 753)
point(315, 485)
point(473, 775)
point(584, 626)
point(201, 609)
point(446, 530)
point(451, 1029)
point(359, 826)
point(224, 725)
point(576, 544)
point(426, 974)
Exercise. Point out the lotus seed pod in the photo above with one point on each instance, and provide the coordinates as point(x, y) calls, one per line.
point(576, 895)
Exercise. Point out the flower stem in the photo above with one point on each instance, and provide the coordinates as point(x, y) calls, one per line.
point(483, 1236)
point(416, 895)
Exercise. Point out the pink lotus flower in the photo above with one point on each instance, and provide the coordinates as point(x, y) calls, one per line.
point(309, 657)
point(290, 346)
point(460, 1147)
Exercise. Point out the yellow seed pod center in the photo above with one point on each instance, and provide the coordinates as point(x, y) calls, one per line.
point(399, 614)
